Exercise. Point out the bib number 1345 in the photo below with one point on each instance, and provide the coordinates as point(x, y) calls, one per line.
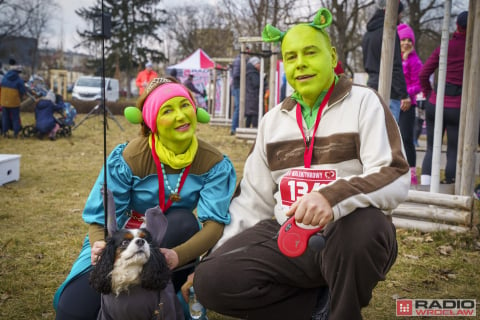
point(298, 182)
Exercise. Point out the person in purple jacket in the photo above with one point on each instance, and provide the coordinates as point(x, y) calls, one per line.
point(412, 65)
point(45, 122)
point(452, 100)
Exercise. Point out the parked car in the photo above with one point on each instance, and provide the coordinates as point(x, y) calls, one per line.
point(88, 88)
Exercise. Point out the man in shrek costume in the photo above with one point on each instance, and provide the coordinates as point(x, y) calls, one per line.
point(166, 166)
point(330, 155)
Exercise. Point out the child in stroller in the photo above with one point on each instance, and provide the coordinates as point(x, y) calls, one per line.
point(47, 123)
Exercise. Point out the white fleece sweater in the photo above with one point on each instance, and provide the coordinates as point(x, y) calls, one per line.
point(357, 136)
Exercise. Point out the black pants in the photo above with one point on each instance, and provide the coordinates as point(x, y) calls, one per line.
point(251, 121)
point(407, 129)
point(451, 123)
point(261, 283)
point(79, 301)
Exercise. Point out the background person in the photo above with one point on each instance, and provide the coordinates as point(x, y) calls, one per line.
point(451, 103)
point(189, 84)
point(236, 66)
point(353, 143)
point(167, 166)
point(144, 77)
point(412, 65)
point(45, 122)
point(372, 52)
point(252, 90)
point(12, 91)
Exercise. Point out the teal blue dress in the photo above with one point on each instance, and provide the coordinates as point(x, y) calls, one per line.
point(209, 192)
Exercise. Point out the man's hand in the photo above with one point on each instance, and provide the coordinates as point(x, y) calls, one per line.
point(312, 209)
point(97, 250)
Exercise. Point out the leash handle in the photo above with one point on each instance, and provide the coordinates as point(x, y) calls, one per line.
point(293, 239)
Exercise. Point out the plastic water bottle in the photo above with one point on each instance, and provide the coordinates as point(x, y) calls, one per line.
point(197, 311)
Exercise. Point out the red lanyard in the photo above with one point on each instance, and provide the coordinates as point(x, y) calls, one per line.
point(307, 155)
point(161, 184)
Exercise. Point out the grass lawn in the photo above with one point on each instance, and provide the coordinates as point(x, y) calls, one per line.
point(41, 229)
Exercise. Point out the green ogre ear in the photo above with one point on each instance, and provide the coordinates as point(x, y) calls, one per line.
point(133, 115)
point(322, 19)
point(202, 116)
point(272, 34)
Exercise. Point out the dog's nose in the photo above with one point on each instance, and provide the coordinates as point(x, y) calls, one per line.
point(140, 242)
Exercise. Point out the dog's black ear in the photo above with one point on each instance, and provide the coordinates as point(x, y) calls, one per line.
point(156, 224)
point(100, 278)
point(110, 212)
point(155, 274)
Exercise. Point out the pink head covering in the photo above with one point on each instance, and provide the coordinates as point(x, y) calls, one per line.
point(404, 32)
point(158, 97)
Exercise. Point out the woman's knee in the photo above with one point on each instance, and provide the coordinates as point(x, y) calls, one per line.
point(78, 300)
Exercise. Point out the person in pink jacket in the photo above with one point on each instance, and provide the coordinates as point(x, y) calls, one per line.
point(451, 103)
point(412, 65)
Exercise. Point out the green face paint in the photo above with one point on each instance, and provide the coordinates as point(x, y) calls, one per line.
point(309, 60)
point(176, 123)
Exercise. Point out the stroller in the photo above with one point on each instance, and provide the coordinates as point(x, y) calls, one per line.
point(65, 119)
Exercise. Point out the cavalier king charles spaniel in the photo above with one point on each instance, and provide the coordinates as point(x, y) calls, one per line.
point(132, 274)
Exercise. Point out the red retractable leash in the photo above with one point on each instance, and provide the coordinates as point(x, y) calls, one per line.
point(292, 239)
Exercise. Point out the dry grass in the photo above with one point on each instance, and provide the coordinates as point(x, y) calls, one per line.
point(41, 229)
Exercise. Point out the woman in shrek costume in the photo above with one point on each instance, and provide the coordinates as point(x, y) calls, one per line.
point(166, 166)
point(330, 156)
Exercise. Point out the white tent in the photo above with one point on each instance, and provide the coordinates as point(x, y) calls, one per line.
point(198, 60)
point(201, 66)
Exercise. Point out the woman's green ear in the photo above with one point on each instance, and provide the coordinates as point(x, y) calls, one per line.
point(202, 116)
point(133, 115)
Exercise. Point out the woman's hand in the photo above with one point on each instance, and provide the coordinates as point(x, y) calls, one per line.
point(171, 256)
point(407, 52)
point(312, 209)
point(405, 104)
point(185, 289)
point(97, 250)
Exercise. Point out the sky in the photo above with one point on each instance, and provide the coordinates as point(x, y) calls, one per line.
point(70, 21)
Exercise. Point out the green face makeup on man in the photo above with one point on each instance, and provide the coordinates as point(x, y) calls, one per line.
point(309, 61)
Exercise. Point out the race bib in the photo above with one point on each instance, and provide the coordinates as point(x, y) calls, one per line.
point(298, 182)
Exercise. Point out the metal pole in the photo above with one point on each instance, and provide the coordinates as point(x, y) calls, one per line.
point(105, 193)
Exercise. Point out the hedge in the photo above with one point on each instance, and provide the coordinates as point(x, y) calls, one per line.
point(28, 105)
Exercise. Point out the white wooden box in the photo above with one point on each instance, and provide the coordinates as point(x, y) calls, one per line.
point(9, 168)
